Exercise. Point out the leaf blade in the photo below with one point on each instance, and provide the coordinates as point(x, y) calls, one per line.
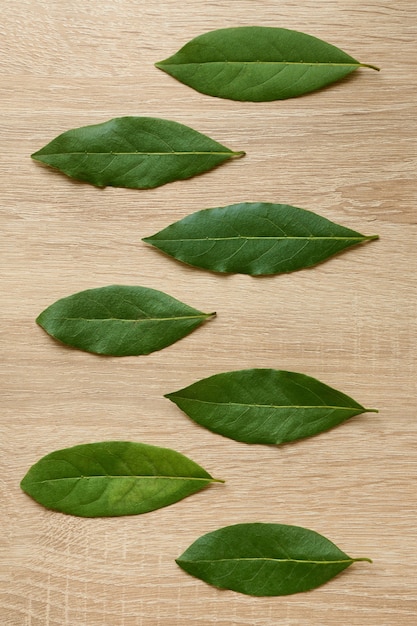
point(258, 64)
point(133, 152)
point(264, 559)
point(113, 478)
point(255, 238)
point(265, 406)
point(120, 320)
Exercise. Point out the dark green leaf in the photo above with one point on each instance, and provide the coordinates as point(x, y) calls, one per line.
point(119, 320)
point(113, 478)
point(136, 152)
point(254, 238)
point(258, 64)
point(264, 559)
point(265, 405)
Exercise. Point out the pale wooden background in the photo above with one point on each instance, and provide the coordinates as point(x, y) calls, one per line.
point(348, 153)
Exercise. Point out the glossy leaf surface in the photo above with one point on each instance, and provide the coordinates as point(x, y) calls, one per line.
point(135, 152)
point(265, 405)
point(258, 63)
point(113, 478)
point(264, 559)
point(120, 320)
point(254, 238)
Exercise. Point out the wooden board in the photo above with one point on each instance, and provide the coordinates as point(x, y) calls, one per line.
point(348, 153)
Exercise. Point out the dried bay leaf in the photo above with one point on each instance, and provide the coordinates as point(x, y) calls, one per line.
point(265, 559)
point(120, 320)
point(265, 405)
point(113, 478)
point(258, 63)
point(134, 152)
point(254, 238)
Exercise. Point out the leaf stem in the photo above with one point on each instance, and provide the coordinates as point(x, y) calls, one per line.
point(363, 558)
point(371, 411)
point(372, 237)
point(372, 67)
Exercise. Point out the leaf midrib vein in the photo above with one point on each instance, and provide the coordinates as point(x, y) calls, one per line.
point(119, 319)
point(271, 406)
point(106, 476)
point(335, 562)
point(311, 63)
point(261, 237)
point(139, 153)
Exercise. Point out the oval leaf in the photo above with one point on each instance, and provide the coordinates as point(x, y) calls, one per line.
point(265, 405)
point(258, 63)
point(254, 238)
point(264, 559)
point(119, 320)
point(113, 478)
point(135, 152)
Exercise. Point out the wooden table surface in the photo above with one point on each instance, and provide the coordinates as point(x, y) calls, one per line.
point(347, 153)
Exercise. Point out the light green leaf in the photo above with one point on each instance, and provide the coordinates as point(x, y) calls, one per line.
point(258, 63)
point(135, 152)
point(265, 405)
point(120, 320)
point(113, 478)
point(265, 559)
point(254, 238)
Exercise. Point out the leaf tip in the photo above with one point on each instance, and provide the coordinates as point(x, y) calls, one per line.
point(38, 320)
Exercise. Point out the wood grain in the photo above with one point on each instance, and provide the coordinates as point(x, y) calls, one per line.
point(348, 153)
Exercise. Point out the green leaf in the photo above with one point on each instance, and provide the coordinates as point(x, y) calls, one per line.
point(264, 559)
point(119, 320)
point(113, 478)
point(135, 152)
point(254, 238)
point(258, 64)
point(265, 405)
